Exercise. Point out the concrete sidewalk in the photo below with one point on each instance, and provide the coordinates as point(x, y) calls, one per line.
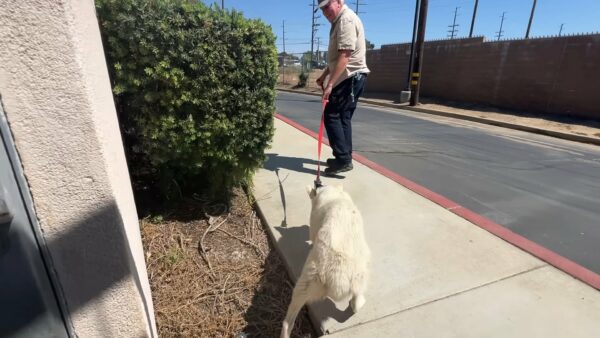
point(434, 274)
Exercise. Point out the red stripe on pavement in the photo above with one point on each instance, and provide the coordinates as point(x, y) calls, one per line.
point(585, 275)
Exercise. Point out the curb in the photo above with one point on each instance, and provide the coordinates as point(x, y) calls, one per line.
point(556, 134)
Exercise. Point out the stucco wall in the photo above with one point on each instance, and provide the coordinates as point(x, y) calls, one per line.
point(56, 94)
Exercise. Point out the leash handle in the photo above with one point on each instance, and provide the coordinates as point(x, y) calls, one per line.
point(320, 141)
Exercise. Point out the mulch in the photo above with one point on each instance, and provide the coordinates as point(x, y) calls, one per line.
point(214, 273)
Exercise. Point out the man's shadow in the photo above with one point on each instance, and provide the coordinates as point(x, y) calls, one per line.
point(266, 313)
point(275, 162)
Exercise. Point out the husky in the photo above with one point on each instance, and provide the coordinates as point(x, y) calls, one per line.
point(337, 264)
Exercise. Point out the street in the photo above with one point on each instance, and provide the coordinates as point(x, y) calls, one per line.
point(545, 189)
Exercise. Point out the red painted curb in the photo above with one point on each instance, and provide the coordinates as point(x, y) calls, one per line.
point(575, 270)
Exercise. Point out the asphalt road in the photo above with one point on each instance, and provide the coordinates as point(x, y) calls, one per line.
point(543, 188)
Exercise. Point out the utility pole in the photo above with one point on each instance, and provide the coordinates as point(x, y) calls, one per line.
point(222, 4)
point(473, 20)
point(530, 19)
point(318, 51)
point(499, 34)
point(416, 73)
point(284, 54)
point(561, 27)
point(453, 26)
point(356, 8)
point(313, 30)
point(411, 61)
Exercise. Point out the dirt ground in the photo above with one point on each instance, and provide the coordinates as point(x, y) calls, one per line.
point(576, 126)
point(213, 272)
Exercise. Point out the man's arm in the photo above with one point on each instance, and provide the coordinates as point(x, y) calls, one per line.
point(340, 67)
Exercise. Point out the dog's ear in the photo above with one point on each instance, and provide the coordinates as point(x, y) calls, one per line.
point(312, 192)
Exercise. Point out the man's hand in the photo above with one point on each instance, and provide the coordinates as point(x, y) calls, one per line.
point(321, 79)
point(327, 91)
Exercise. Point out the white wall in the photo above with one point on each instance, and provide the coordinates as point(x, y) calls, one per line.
point(56, 94)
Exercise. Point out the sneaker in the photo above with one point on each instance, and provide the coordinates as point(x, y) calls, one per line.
point(339, 168)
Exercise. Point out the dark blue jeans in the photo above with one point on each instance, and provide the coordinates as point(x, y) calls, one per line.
point(338, 116)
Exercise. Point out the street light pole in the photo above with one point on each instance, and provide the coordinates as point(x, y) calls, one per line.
point(416, 73)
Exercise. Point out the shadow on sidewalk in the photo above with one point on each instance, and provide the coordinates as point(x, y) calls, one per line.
point(269, 304)
point(275, 162)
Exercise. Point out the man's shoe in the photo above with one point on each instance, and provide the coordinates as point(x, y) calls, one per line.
point(339, 168)
point(331, 162)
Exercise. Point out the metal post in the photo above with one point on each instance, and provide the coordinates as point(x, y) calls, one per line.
point(530, 19)
point(416, 74)
point(473, 20)
point(222, 4)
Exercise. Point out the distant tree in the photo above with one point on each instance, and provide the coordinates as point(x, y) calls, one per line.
point(369, 44)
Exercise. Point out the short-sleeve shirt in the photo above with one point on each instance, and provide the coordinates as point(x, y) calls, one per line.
point(347, 33)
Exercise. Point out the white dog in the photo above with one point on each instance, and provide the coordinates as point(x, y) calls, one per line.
point(337, 264)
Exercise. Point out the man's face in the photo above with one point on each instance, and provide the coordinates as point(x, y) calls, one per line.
point(332, 9)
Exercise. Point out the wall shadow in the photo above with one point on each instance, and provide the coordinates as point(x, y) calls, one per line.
point(95, 256)
point(271, 299)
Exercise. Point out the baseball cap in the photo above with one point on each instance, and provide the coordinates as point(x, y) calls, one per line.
point(323, 3)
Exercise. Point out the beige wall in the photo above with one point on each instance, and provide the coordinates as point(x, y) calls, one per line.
point(56, 94)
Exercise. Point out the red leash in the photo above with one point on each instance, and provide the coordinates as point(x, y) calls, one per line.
point(318, 181)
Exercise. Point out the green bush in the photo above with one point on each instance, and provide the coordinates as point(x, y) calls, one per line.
point(194, 87)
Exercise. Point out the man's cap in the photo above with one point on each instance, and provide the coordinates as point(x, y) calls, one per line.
point(323, 3)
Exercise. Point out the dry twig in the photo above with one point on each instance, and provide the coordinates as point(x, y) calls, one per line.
point(204, 255)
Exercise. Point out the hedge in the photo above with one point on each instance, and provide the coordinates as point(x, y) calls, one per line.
point(195, 91)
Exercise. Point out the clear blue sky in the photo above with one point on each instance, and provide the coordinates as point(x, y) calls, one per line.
point(390, 21)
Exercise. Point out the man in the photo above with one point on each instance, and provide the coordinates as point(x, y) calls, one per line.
point(347, 71)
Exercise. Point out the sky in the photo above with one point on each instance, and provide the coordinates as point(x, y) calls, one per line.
point(391, 21)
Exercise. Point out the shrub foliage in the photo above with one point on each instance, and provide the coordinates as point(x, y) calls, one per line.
point(194, 87)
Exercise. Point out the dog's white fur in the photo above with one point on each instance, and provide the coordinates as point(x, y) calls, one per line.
point(337, 264)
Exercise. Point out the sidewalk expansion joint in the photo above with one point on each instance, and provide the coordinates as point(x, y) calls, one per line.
point(445, 297)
